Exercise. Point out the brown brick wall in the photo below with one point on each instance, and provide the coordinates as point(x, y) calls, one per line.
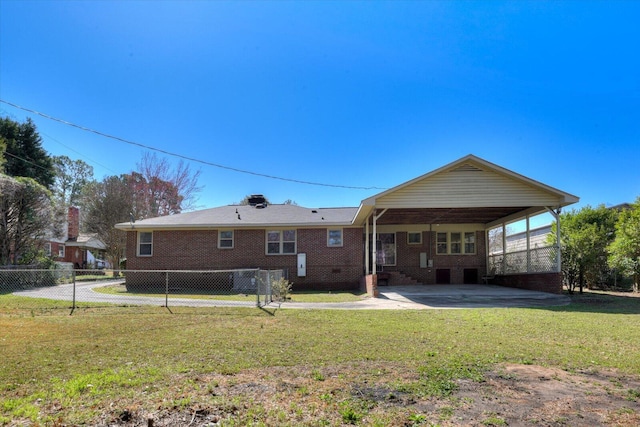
point(543, 282)
point(408, 259)
point(327, 268)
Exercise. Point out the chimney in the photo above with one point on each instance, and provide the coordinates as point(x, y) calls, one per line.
point(74, 223)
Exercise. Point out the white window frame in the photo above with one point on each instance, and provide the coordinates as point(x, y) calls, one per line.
point(140, 243)
point(221, 239)
point(419, 242)
point(462, 242)
point(61, 251)
point(281, 242)
point(439, 243)
point(329, 239)
point(47, 249)
point(465, 243)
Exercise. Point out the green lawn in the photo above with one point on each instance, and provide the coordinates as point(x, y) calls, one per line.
point(111, 362)
point(300, 296)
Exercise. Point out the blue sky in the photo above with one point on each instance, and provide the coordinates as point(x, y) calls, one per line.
point(355, 94)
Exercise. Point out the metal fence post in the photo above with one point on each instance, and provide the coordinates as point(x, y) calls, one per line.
point(166, 289)
point(73, 300)
point(258, 279)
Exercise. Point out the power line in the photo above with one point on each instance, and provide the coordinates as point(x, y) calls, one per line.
point(180, 156)
point(25, 160)
point(77, 152)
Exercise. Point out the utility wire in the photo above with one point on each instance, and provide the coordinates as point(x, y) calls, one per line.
point(180, 156)
point(25, 160)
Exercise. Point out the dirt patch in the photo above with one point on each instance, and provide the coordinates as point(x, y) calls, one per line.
point(368, 394)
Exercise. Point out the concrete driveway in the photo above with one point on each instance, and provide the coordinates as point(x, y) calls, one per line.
point(469, 296)
point(416, 297)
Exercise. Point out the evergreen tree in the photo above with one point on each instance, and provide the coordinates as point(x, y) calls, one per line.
point(24, 155)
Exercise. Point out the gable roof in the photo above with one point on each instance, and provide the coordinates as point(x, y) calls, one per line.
point(470, 183)
point(468, 190)
point(245, 216)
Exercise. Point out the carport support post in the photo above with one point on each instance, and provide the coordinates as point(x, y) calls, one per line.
point(556, 215)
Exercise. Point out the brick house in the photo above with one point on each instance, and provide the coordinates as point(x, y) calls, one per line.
point(430, 230)
point(80, 249)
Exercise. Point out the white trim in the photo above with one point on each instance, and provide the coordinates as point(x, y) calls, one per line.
point(462, 242)
point(281, 241)
point(220, 239)
point(329, 245)
point(145, 243)
point(419, 233)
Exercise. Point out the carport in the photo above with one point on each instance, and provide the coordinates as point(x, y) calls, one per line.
point(442, 227)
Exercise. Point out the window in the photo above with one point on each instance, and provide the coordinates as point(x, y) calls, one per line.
point(145, 243)
point(469, 243)
point(47, 249)
point(414, 238)
point(442, 243)
point(225, 239)
point(456, 243)
point(61, 251)
point(281, 242)
point(334, 238)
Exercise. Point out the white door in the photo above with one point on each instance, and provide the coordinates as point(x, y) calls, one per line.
point(302, 265)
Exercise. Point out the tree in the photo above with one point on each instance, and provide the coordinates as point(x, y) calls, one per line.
point(70, 178)
point(107, 203)
point(167, 190)
point(624, 251)
point(26, 213)
point(24, 155)
point(153, 197)
point(3, 148)
point(584, 237)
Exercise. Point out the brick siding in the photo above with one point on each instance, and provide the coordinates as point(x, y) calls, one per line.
point(408, 259)
point(328, 268)
point(543, 282)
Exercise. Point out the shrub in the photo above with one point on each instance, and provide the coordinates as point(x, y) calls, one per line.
point(281, 288)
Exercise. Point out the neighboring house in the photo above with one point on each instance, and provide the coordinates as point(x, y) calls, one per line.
point(537, 238)
point(429, 230)
point(80, 249)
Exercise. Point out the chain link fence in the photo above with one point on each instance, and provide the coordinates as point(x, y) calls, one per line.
point(538, 260)
point(68, 288)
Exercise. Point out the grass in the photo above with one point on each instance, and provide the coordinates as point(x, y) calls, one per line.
point(299, 296)
point(110, 362)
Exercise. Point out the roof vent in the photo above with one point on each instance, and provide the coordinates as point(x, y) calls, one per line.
point(261, 205)
point(314, 211)
point(467, 168)
point(257, 199)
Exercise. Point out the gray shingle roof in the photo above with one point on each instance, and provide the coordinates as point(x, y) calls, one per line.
point(237, 216)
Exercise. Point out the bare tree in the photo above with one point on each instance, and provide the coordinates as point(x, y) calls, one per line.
point(182, 191)
point(107, 203)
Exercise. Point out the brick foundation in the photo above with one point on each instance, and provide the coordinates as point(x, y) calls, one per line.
point(543, 282)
